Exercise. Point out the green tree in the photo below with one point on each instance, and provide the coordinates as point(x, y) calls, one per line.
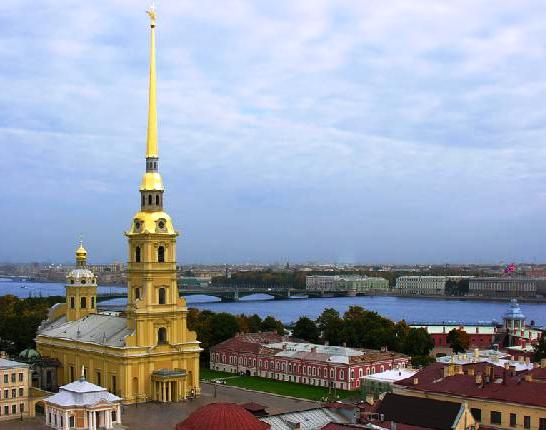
point(271, 324)
point(417, 342)
point(254, 323)
point(223, 326)
point(540, 348)
point(459, 340)
point(330, 325)
point(306, 329)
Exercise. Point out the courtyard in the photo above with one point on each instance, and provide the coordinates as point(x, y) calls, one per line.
point(145, 416)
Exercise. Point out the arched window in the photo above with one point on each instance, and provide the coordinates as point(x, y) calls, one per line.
point(137, 254)
point(161, 254)
point(162, 335)
point(137, 293)
point(143, 200)
point(157, 200)
point(149, 199)
point(162, 296)
point(92, 302)
point(83, 302)
point(72, 305)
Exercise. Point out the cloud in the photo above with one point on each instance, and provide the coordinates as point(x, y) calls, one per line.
point(306, 126)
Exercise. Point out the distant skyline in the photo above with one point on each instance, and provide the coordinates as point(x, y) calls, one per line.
point(328, 131)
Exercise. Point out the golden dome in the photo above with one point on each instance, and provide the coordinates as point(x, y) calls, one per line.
point(81, 253)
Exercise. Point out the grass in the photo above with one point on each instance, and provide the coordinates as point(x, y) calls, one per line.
point(284, 388)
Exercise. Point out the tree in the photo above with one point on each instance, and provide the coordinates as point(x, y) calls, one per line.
point(254, 323)
point(417, 342)
point(330, 325)
point(540, 348)
point(223, 326)
point(271, 324)
point(306, 329)
point(459, 340)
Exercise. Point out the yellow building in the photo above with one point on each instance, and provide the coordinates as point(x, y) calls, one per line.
point(14, 390)
point(146, 353)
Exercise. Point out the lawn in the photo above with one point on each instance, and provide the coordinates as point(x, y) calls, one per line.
point(283, 388)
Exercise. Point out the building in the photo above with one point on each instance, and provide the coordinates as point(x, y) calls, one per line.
point(375, 384)
point(518, 334)
point(82, 405)
point(348, 284)
point(222, 416)
point(146, 353)
point(481, 335)
point(269, 355)
point(425, 285)
point(420, 413)
point(311, 419)
point(14, 390)
point(506, 287)
point(498, 397)
point(43, 371)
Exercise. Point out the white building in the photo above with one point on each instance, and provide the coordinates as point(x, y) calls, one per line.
point(82, 405)
point(425, 285)
point(347, 283)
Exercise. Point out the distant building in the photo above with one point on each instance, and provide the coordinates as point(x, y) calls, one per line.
point(425, 285)
point(14, 390)
point(348, 284)
point(481, 335)
point(376, 384)
point(269, 355)
point(82, 405)
point(506, 287)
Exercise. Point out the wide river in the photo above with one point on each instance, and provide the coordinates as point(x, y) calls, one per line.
point(395, 308)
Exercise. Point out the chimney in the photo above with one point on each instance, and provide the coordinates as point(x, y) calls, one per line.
point(313, 349)
point(479, 379)
point(528, 377)
point(446, 371)
point(512, 370)
point(3, 354)
point(344, 344)
point(543, 363)
point(369, 399)
point(476, 353)
point(326, 343)
point(504, 376)
point(293, 425)
point(521, 359)
point(415, 381)
point(527, 361)
point(507, 365)
point(471, 371)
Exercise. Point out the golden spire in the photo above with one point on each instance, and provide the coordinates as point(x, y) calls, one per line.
point(151, 142)
point(81, 255)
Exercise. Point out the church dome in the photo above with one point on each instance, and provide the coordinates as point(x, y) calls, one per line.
point(514, 312)
point(81, 252)
point(222, 416)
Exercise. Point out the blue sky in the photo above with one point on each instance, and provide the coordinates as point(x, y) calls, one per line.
point(309, 130)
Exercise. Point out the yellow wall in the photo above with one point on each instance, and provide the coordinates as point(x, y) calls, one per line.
point(18, 399)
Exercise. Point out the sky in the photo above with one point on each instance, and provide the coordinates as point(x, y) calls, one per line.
point(303, 130)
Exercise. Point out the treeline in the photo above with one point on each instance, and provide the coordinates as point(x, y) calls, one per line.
point(19, 320)
point(361, 328)
point(213, 328)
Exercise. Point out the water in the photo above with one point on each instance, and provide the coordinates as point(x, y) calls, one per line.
point(395, 308)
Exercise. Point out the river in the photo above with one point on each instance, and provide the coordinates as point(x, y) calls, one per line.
point(395, 308)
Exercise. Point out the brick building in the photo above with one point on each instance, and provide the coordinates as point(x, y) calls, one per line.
point(269, 355)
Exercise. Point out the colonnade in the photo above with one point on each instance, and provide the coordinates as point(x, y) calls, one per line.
point(168, 390)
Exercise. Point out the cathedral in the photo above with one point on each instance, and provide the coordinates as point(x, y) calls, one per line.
point(145, 353)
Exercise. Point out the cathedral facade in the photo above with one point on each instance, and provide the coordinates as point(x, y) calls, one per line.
point(145, 353)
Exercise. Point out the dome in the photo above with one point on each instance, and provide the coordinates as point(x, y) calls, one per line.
point(29, 354)
point(514, 312)
point(81, 253)
point(222, 416)
point(81, 276)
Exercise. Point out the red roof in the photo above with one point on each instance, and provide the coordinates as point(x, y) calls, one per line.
point(248, 342)
point(515, 389)
point(222, 416)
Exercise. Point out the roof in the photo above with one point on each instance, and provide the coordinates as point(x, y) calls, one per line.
point(253, 407)
point(82, 393)
point(391, 375)
point(515, 390)
point(309, 419)
point(222, 416)
point(440, 415)
point(514, 312)
point(94, 328)
point(7, 364)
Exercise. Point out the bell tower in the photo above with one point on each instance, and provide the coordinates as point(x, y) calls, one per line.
point(81, 288)
point(155, 310)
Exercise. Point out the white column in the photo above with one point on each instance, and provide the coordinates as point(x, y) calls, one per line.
point(46, 411)
point(93, 420)
point(118, 415)
point(65, 420)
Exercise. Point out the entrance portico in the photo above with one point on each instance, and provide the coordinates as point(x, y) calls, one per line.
point(169, 385)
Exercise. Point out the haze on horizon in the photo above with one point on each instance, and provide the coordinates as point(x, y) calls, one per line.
point(314, 130)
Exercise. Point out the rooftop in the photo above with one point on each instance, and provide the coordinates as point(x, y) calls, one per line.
point(310, 419)
point(82, 393)
point(222, 416)
point(8, 364)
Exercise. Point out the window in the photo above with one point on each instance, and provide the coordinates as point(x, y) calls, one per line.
point(161, 294)
point(526, 422)
point(20, 392)
point(476, 413)
point(143, 200)
point(496, 417)
point(150, 199)
point(162, 335)
point(542, 424)
point(513, 420)
point(92, 302)
point(71, 373)
point(13, 409)
point(83, 302)
point(98, 378)
point(6, 410)
point(71, 422)
point(161, 254)
point(157, 200)
point(137, 293)
point(114, 417)
point(21, 408)
point(114, 384)
point(13, 393)
point(13, 377)
point(72, 304)
point(137, 254)
point(6, 394)
point(20, 377)
point(6, 378)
